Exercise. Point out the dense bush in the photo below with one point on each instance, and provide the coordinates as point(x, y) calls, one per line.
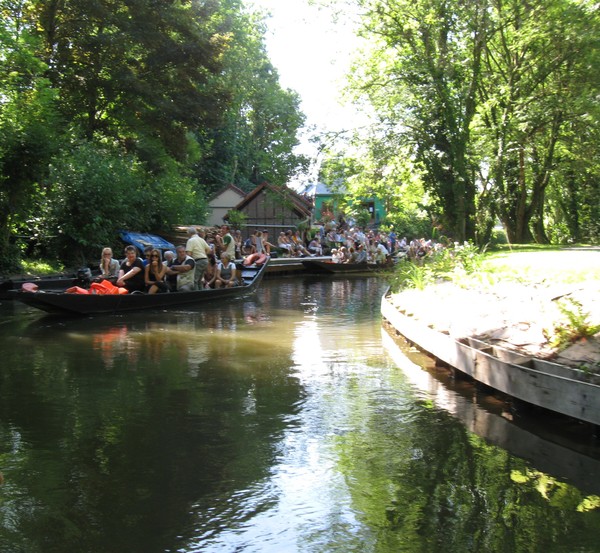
point(96, 190)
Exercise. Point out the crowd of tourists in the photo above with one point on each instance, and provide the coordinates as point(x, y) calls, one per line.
point(208, 258)
point(196, 266)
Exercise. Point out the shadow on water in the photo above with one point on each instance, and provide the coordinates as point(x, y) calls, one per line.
point(114, 425)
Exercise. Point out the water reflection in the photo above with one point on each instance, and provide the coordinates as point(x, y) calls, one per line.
point(281, 423)
point(574, 461)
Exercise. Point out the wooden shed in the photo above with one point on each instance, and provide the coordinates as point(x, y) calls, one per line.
point(277, 208)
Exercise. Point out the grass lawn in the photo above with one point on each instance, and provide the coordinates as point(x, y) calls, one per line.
point(545, 266)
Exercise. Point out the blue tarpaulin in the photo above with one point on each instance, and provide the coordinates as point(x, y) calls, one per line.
point(141, 239)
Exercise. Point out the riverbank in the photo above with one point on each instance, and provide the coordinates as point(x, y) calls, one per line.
point(535, 308)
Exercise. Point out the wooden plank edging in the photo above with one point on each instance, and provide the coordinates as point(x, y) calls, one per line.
point(560, 389)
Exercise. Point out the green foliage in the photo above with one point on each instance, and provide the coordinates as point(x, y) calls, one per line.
point(41, 267)
point(95, 191)
point(411, 275)
point(421, 78)
point(28, 139)
point(498, 237)
point(236, 218)
point(362, 217)
point(386, 173)
point(498, 118)
point(260, 123)
point(138, 111)
point(175, 199)
point(409, 224)
point(452, 263)
point(576, 325)
point(10, 262)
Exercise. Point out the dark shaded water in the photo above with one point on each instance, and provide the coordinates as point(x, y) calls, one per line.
point(291, 422)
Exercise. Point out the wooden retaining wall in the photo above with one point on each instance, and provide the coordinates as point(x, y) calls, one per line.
point(555, 387)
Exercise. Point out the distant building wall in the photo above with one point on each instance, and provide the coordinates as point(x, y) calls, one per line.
point(274, 208)
point(220, 204)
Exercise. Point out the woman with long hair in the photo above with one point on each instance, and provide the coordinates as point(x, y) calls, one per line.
point(109, 266)
point(155, 273)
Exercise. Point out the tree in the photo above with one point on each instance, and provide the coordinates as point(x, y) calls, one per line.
point(377, 168)
point(143, 73)
point(98, 189)
point(259, 127)
point(28, 123)
point(535, 87)
point(422, 81)
point(182, 90)
point(493, 102)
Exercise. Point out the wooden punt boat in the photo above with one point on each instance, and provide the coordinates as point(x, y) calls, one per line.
point(329, 267)
point(550, 451)
point(59, 281)
point(55, 282)
point(61, 302)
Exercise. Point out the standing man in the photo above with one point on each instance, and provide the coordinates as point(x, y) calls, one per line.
point(228, 241)
point(198, 249)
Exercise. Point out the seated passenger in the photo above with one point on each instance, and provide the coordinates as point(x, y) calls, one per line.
point(284, 243)
point(267, 246)
point(226, 272)
point(109, 267)
point(154, 274)
point(315, 246)
point(237, 238)
point(131, 273)
point(336, 256)
point(297, 243)
point(169, 257)
point(352, 255)
point(181, 272)
point(344, 255)
point(258, 243)
point(380, 258)
point(361, 254)
point(210, 274)
point(249, 246)
point(147, 251)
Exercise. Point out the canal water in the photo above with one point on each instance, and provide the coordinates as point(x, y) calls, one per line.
point(289, 422)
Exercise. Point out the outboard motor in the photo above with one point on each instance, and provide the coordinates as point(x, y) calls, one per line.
point(84, 277)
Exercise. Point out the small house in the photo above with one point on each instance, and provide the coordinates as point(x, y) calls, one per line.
point(223, 201)
point(276, 208)
point(328, 201)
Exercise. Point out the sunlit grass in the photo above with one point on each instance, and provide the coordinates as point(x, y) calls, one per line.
point(544, 266)
point(41, 267)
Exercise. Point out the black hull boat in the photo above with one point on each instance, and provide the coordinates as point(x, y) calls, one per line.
point(63, 303)
point(53, 282)
point(329, 267)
